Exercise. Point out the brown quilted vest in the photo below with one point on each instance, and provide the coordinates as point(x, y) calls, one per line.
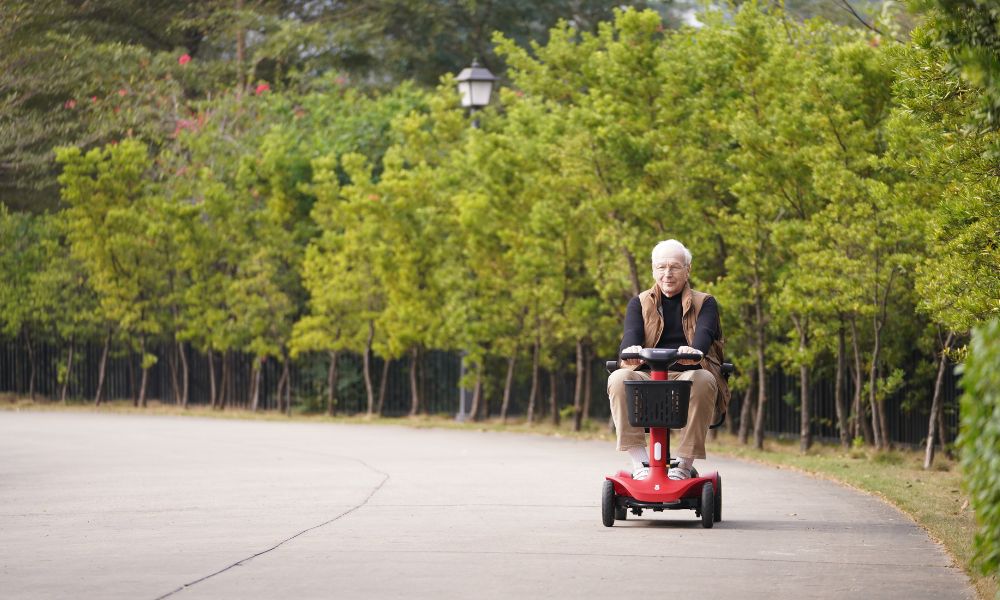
point(691, 302)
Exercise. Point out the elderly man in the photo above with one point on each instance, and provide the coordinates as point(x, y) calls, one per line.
point(672, 315)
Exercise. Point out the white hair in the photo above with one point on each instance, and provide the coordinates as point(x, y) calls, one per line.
point(671, 246)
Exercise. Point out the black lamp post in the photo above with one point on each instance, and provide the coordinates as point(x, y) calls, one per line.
point(475, 85)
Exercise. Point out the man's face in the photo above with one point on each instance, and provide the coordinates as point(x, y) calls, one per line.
point(670, 272)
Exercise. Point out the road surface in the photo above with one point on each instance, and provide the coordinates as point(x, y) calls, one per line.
point(122, 506)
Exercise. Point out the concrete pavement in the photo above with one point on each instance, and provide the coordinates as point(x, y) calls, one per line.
point(121, 506)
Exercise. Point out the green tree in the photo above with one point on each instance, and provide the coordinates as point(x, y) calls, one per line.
point(958, 284)
point(114, 231)
point(340, 272)
point(334, 129)
point(23, 256)
point(65, 305)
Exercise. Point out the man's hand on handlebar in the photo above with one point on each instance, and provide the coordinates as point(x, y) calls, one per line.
point(631, 362)
point(689, 350)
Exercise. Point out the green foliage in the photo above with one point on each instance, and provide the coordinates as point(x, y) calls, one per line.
point(980, 441)
point(968, 31)
point(113, 232)
point(953, 168)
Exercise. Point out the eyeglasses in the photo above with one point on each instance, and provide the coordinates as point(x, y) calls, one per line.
point(671, 269)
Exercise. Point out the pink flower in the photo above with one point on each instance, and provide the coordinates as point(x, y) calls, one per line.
point(93, 99)
point(261, 88)
point(184, 59)
point(69, 104)
point(122, 92)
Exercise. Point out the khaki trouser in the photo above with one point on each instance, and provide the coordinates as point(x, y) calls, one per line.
point(701, 410)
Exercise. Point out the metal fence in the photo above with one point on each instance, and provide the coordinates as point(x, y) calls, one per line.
point(907, 419)
point(439, 387)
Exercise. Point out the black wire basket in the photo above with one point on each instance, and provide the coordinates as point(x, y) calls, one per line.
point(658, 403)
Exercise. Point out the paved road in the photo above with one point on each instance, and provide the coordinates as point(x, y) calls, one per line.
point(116, 506)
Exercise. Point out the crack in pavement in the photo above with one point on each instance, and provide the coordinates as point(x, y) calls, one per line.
point(385, 478)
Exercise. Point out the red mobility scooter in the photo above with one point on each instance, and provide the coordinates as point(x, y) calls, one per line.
point(661, 405)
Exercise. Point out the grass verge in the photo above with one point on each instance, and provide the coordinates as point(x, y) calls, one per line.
point(934, 499)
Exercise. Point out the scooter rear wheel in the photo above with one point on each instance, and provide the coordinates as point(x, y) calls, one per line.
point(621, 513)
point(608, 504)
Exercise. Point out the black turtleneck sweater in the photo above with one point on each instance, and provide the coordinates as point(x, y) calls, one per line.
point(706, 330)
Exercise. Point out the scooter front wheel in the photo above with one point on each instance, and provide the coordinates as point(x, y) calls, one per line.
point(707, 505)
point(608, 504)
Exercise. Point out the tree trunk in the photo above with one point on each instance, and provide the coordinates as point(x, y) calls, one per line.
point(553, 399)
point(213, 398)
point(331, 384)
point(255, 372)
point(879, 319)
point(484, 400)
point(414, 382)
point(69, 372)
point(805, 408)
point(838, 391)
point(258, 377)
point(185, 374)
point(175, 384)
point(872, 393)
point(758, 429)
point(746, 411)
point(279, 392)
point(224, 385)
point(859, 407)
point(477, 392)
point(286, 372)
point(282, 393)
point(943, 436)
point(578, 388)
point(145, 372)
point(507, 385)
point(383, 385)
point(533, 395)
point(133, 389)
point(805, 426)
point(588, 365)
point(366, 367)
point(936, 402)
point(633, 271)
point(103, 369)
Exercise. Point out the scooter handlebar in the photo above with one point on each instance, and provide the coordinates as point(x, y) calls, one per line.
point(662, 355)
